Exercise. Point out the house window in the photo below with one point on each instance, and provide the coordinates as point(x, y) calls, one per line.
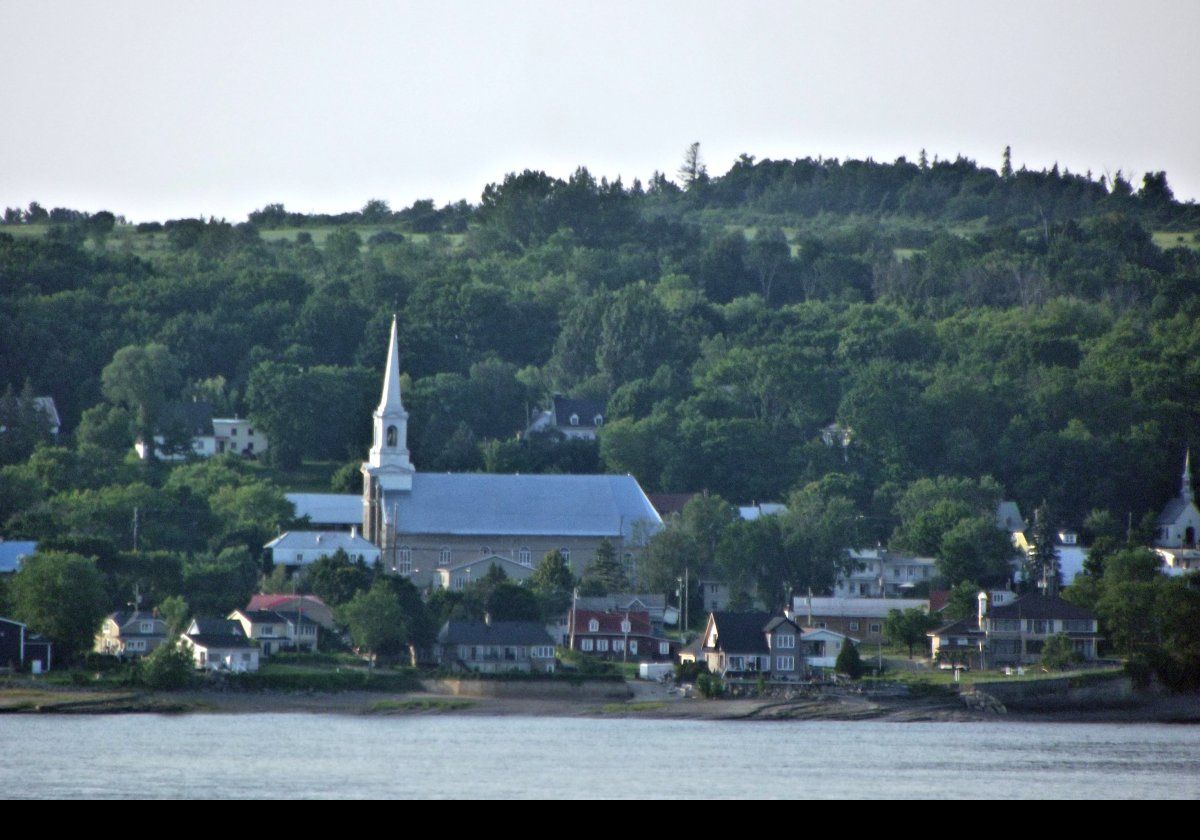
point(404, 560)
point(598, 420)
point(233, 432)
point(602, 645)
point(875, 628)
point(626, 626)
point(566, 554)
point(853, 625)
point(146, 626)
point(249, 431)
point(299, 557)
point(633, 647)
point(574, 419)
point(585, 644)
point(593, 626)
point(737, 663)
point(664, 648)
point(485, 550)
point(525, 556)
point(618, 645)
point(785, 663)
point(785, 641)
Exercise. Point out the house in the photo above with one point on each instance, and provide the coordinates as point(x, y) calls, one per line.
point(30, 412)
point(575, 419)
point(821, 647)
point(310, 605)
point(302, 548)
point(880, 573)
point(432, 521)
point(21, 650)
point(654, 605)
point(859, 618)
point(749, 645)
point(134, 633)
point(13, 554)
point(233, 434)
point(495, 647)
point(621, 635)
point(208, 435)
point(277, 631)
point(1016, 632)
point(461, 575)
point(219, 644)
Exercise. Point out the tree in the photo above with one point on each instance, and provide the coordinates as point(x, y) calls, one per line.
point(605, 574)
point(819, 529)
point(60, 595)
point(1058, 653)
point(167, 668)
point(552, 582)
point(975, 549)
point(336, 579)
point(692, 171)
point(143, 379)
point(908, 627)
point(376, 621)
point(963, 601)
point(1042, 568)
point(848, 661)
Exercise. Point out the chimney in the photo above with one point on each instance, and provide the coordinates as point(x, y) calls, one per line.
point(983, 608)
point(487, 619)
point(353, 531)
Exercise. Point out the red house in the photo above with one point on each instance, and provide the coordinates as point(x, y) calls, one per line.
point(622, 635)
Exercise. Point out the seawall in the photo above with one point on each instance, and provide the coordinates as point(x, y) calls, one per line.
point(584, 690)
point(1087, 692)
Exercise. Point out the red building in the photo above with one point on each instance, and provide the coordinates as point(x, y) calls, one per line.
point(621, 635)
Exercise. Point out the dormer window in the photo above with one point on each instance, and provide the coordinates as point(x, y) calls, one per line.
point(391, 436)
point(598, 420)
point(574, 419)
point(593, 626)
point(626, 626)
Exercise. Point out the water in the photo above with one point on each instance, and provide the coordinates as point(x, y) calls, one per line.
point(313, 755)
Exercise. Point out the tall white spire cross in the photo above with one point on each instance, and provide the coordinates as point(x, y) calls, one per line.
point(390, 399)
point(390, 449)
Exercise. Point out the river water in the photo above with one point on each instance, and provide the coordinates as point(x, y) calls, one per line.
point(214, 756)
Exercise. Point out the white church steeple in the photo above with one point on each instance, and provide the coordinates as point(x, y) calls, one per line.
point(389, 451)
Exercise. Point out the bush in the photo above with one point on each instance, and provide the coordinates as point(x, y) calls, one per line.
point(1058, 653)
point(710, 685)
point(689, 671)
point(103, 662)
point(848, 662)
point(166, 669)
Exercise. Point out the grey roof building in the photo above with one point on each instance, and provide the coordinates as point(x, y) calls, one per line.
point(427, 521)
point(495, 646)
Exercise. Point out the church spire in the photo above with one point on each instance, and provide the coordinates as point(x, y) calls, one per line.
point(1185, 490)
point(390, 400)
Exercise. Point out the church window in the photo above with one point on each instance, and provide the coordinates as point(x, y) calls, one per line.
point(391, 436)
point(525, 556)
point(404, 560)
point(445, 555)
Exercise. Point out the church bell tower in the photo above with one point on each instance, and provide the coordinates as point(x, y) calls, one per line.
point(388, 467)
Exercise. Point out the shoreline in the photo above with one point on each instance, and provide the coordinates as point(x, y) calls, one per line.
point(645, 701)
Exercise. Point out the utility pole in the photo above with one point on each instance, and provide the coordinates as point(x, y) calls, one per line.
point(136, 512)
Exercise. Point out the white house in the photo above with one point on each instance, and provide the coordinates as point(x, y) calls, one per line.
point(822, 646)
point(461, 575)
point(218, 644)
point(234, 434)
point(879, 573)
point(300, 548)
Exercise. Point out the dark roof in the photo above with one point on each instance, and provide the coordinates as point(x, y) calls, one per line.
point(125, 618)
point(525, 633)
point(195, 417)
point(586, 410)
point(220, 640)
point(217, 627)
point(777, 621)
point(274, 616)
point(742, 632)
point(1041, 606)
point(962, 627)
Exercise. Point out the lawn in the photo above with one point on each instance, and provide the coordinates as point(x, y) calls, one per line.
point(1167, 239)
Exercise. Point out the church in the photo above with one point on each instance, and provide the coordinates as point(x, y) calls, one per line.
point(430, 525)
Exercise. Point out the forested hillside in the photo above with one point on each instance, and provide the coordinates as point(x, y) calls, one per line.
point(1036, 327)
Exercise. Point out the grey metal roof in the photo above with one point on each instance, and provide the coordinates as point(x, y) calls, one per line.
point(328, 508)
point(12, 552)
point(523, 505)
point(1174, 510)
point(329, 541)
point(526, 633)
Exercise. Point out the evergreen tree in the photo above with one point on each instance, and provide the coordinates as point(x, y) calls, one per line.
point(604, 574)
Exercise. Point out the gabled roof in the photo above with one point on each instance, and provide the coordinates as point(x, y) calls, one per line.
point(274, 602)
point(516, 633)
point(961, 627)
point(329, 541)
point(129, 623)
point(195, 417)
point(610, 622)
point(742, 632)
point(1174, 510)
point(854, 607)
point(585, 410)
point(272, 617)
point(492, 560)
point(668, 503)
point(1040, 606)
point(476, 504)
point(622, 601)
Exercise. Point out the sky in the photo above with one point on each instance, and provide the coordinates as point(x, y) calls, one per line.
point(164, 110)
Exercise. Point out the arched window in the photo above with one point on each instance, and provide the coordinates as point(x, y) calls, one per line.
point(391, 436)
point(574, 419)
point(598, 420)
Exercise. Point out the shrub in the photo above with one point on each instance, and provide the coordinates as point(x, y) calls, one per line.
point(166, 669)
point(848, 662)
point(710, 685)
point(1058, 653)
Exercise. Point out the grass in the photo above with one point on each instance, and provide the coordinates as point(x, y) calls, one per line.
point(938, 677)
point(429, 705)
point(1167, 239)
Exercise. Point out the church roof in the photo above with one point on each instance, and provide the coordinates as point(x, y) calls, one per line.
point(328, 508)
point(1174, 510)
point(523, 505)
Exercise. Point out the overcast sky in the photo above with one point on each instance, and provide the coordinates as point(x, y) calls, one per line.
point(162, 110)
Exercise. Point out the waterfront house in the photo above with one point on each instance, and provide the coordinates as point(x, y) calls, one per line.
point(130, 634)
point(310, 605)
point(617, 634)
point(219, 644)
point(495, 647)
point(750, 645)
point(1015, 633)
point(278, 631)
point(821, 647)
point(859, 618)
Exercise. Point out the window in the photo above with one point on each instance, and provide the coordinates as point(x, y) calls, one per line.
point(633, 647)
point(566, 554)
point(598, 420)
point(785, 663)
point(250, 446)
point(853, 625)
point(486, 550)
point(233, 432)
point(146, 627)
point(249, 431)
point(542, 652)
point(618, 645)
point(445, 555)
point(875, 628)
point(585, 644)
point(785, 641)
point(593, 626)
point(299, 557)
point(737, 663)
point(664, 648)
point(626, 626)
point(391, 436)
point(574, 419)
point(602, 645)
point(525, 556)
point(404, 560)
